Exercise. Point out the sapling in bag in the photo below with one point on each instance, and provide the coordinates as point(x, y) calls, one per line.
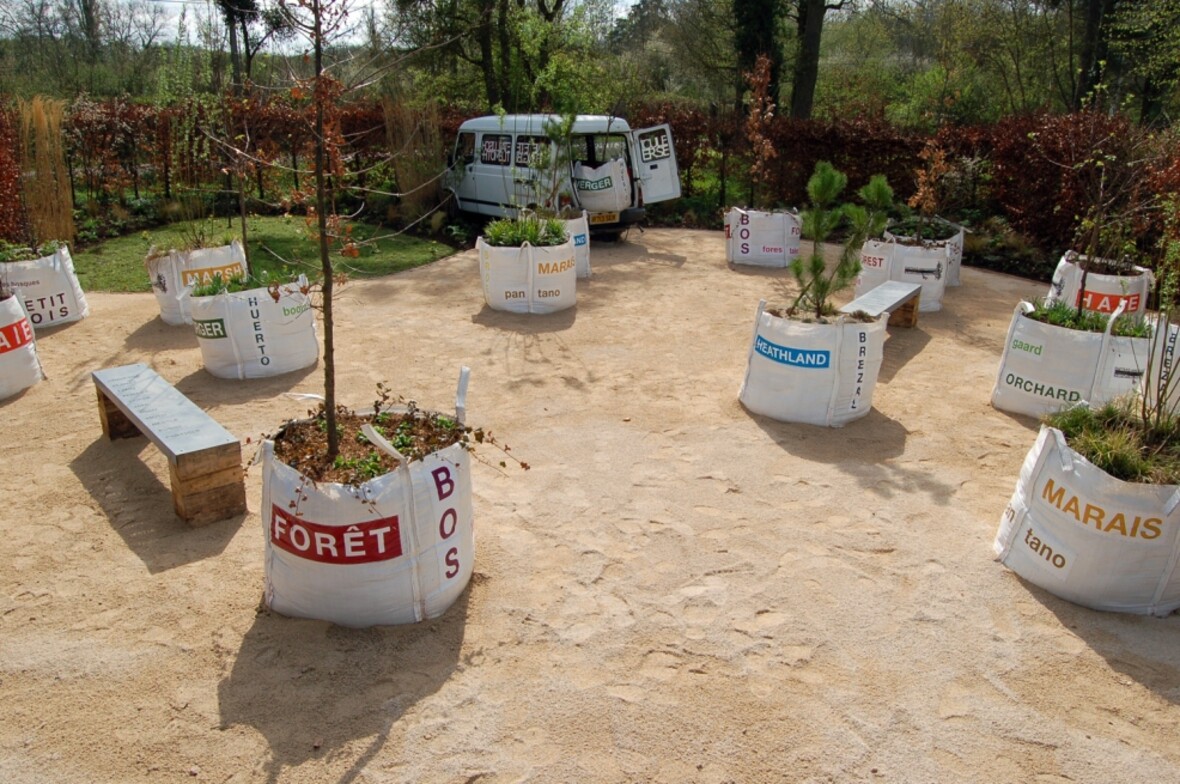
point(396, 549)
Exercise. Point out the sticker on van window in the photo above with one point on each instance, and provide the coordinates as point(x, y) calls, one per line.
point(496, 148)
point(655, 145)
point(529, 149)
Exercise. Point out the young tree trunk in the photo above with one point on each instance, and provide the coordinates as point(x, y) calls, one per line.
point(321, 202)
point(810, 31)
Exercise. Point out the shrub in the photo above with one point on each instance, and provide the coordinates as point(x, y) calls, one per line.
point(514, 232)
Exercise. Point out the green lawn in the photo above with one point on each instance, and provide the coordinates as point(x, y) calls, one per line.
point(278, 245)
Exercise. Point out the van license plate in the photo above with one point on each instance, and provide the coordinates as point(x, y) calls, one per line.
point(604, 217)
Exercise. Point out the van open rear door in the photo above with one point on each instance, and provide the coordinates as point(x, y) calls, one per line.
point(659, 176)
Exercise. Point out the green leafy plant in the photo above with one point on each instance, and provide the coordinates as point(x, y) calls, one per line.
point(1062, 314)
point(817, 284)
point(237, 283)
point(1137, 438)
point(528, 227)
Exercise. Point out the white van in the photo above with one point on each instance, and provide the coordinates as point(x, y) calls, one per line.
point(501, 164)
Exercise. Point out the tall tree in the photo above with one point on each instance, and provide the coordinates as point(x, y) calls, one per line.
point(1148, 37)
point(756, 34)
point(809, 24)
point(1095, 47)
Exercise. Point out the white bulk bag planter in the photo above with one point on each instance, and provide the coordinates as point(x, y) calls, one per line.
point(953, 246)
point(257, 333)
point(528, 279)
point(578, 230)
point(818, 374)
point(19, 366)
point(762, 239)
point(397, 549)
point(1104, 293)
point(174, 274)
point(925, 265)
point(49, 287)
point(876, 265)
point(605, 188)
point(1045, 368)
point(1083, 535)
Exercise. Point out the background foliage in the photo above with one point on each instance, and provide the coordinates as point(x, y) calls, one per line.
point(186, 116)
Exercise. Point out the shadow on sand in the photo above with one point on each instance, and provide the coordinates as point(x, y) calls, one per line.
point(1141, 647)
point(138, 505)
point(311, 688)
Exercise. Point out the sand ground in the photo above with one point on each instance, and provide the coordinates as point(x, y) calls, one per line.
point(676, 592)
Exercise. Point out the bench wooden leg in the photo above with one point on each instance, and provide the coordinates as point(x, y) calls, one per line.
point(906, 315)
point(209, 486)
point(115, 423)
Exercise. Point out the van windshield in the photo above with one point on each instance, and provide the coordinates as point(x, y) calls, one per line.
point(596, 149)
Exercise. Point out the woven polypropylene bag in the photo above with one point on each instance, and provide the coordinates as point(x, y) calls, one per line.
point(1083, 535)
point(49, 288)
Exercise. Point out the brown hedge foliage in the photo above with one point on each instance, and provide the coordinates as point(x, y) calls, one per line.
point(1044, 181)
point(13, 224)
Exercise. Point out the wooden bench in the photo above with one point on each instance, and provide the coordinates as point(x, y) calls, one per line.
point(204, 459)
point(898, 299)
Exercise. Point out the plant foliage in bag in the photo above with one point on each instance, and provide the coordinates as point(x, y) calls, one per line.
point(817, 284)
point(1137, 439)
point(527, 227)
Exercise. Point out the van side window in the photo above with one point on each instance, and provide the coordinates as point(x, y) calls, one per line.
point(529, 148)
point(496, 148)
point(465, 148)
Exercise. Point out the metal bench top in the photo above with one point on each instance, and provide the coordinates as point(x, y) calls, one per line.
point(161, 412)
point(883, 298)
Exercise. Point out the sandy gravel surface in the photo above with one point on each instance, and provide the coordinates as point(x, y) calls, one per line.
point(677, 592)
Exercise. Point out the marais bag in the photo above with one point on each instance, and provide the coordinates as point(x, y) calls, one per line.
point(49, 287)
point(1083, 535)
point(399, 548)
point(528, 279)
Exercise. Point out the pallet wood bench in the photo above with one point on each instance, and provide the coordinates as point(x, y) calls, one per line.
point(204, 459)
point(898, 299)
